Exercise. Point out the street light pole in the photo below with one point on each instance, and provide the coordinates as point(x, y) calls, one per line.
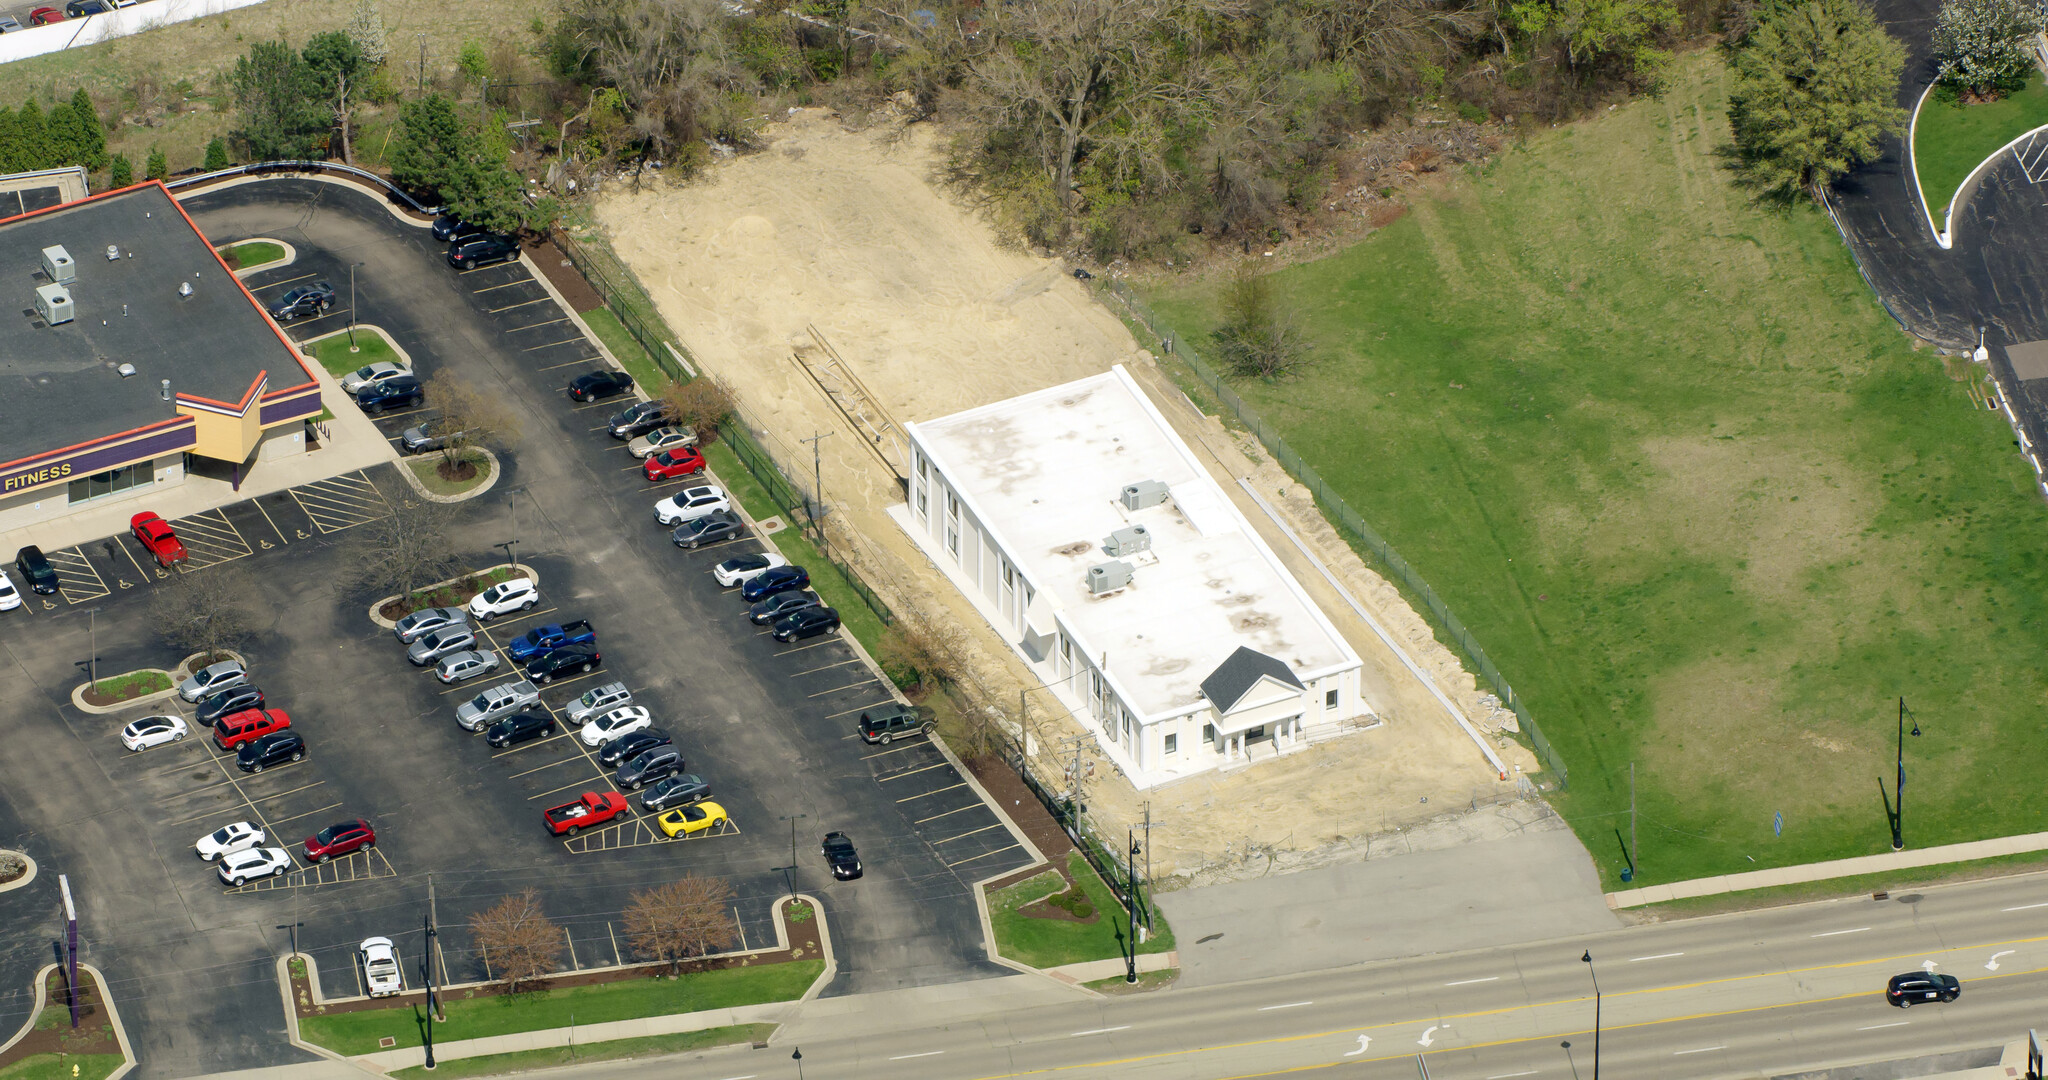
point(793, 819)
point(1131, 903)
point(427, 975)
point(293, 929)
point(1587, 959)
point(352, 307)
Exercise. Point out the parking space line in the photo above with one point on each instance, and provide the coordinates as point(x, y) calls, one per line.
point(564, 682)
point(827, 667)
point(552, 344)
point(538, 325)
point(833, 639)
point(132, 560)
point(538, 768)
point(564, 787)
point(981, 856)
point(950, 813)
point(891, 750)
point(940, 764)
point(530, 742)
point(73, 572)
point(282, 794)
point(581, 360)
point(283, 281)
point(503, 621)
point(355, 866)
point(837, 689)
point(212, 539)
point(307, 814)
point(850, 712)
point(341, 502)
point(330, 313)
point(258, 504)
point(932, 792)
point(254, 811)
point(965, 835)
point(492, 288)
point(521, 304)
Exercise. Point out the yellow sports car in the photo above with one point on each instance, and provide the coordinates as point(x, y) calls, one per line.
point(690, 820)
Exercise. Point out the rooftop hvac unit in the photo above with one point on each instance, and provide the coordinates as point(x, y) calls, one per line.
point(58, 265)
point(1128, 540)
point(1108, 577)
point(53, 304)
point(1144, 493)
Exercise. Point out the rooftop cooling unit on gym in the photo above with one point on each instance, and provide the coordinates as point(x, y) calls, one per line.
point(1128, 540)
point(58, 265)
point(1144, 493)
point(53, 304)
point(1109, 577)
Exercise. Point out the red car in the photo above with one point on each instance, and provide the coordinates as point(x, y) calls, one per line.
point(594, 808)
point(340, 838)
point(156, 537)
point(44, 16)
point(671, 463)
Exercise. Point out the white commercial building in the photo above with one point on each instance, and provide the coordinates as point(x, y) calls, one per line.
point(1091, 538)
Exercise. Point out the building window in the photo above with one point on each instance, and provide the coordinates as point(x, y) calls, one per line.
point(1330, 700)
point(1009, 576)
point(924, 486)
point(1172, 743)
point(101, 485)
point(1209, 732)
point(953, 524)
point(1127, 722)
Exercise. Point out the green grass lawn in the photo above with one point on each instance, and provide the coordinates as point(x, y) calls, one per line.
point(428, 468)
point(1951, 139)
point(1044, 943)
point(134, 684)
point(59, 1066)
point(254, 253)
point(333, 352)
point(1691, 489)
point(354, 1033)
point(612, 1050)
point(627, 348)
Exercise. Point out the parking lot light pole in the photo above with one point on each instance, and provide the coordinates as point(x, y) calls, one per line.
point(427, 974)
point(793, 819)
point(352, 307)
point(788, 882)
point(1587, 959)
point(293, 930)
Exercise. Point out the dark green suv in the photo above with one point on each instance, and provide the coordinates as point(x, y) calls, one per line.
point(886, 723)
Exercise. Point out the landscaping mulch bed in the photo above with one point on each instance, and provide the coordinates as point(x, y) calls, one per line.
point(1008, 790)
point(95, 1033)
point(94, 697)
point(805, 943)
point(454, 594)
point(12, 866)
point(560, 272)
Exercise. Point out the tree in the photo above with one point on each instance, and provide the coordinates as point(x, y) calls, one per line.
point(11, 156)
point(1261, 334)
point(685, 918)
point(216, 154)
point(282, 113)
point(428, 147)
point(1813, 96)
point(156, 167)
point(203, 612)
point(703, 404)
point(471, 61)
point(366, 29)
point(92, 135)
point(483, 191)
point(338, 66)
point(32, 137)
point(1984, 47)
point(519, 943)
point(66, 135)
point(403, 551)
point(468, 418)
point(1592, 30)
point(673, 62)
point(122, 172)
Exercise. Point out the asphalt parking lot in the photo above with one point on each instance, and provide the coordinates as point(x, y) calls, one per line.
point(769, 725)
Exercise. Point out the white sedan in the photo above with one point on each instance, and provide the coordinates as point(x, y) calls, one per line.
point(243, 867)
point(466, 664)
point(152, 731)
point(689, 503)
point(616, 723)
point(739, 571)
point(9, 598)
point(371, 373)
point(227, 840)
point(380, 967)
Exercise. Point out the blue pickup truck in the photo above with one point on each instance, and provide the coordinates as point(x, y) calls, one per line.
point(543, 640)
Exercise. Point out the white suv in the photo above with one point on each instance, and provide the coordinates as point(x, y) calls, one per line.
point(691, 503)
point(517, 594)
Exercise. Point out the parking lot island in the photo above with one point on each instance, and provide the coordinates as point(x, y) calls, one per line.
point(97, 1049)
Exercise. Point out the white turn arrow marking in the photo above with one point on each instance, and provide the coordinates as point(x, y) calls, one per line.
point(1426, 1040)
point(1363, 1042)
point(1992, 964)
point(1928, 966)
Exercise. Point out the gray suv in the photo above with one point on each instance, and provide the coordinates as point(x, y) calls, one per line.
point(496, 703)
point(649, 766)
point(596, 703)
point(440, 643)
point(887, 723)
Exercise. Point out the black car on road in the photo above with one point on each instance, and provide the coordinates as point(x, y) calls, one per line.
point(228, 703)
point(35, 569)
point(648, 766)
point(642, 418)
point(781, 606)
point(682, 789)
point(575, 658)
point(709, 529)
point(840, 856)
point(809, 622)
point(403, 392)
point(304, 300)
point(630, 745)
point(275, 748)
point(598, 385)
point(519, 728)
point(468, 253)
point(773, 580)
point(1914, 987)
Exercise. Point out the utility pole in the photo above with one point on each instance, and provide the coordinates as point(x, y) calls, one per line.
point(1633, 851)
point(1148, 860)
point(818, 482)
point(1131, 904)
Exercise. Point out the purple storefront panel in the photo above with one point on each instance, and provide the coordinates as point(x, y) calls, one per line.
point(91, 459)
point(277, 412)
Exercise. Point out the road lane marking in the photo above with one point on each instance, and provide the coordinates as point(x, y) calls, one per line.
point(1100, 1031)
point(2025, 907)
point(907, 1057)
point(1470, 982)
point(1510, 1076)
point(1289, 1005)
point(1701, 1050)
point(1838, 933)
point(1659, 956)
point(1880, 1027)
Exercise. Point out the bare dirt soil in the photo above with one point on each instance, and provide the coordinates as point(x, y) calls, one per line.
point(846, 231)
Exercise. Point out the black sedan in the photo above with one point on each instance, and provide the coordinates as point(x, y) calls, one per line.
point(809, 622)
point(781, 606)
point(448, 229)
point(482, 249)
point(630, 745)
point(276, 748)
point(840, 856)
point(709, 529)
point(518, 728)
point(773, 580)
point(641, 419)
point(574, 658)
point(681, 789)
point(304, 300)
point(658, 763)
point(598, 385)
point(229, 702)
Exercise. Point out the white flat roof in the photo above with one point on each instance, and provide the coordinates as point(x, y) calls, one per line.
point(1044, 473)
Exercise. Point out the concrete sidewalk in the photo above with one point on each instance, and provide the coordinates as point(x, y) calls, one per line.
point(1835, 868)
point(771, 1013)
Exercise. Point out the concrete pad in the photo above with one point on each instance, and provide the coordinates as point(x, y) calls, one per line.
point(1534, 885)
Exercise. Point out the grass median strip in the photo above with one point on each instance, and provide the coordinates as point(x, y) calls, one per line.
point(353, 1033)
point(626, 349)
point(1950, 139)
point(612, 1050)
point(333, 352)
point(1050, 942)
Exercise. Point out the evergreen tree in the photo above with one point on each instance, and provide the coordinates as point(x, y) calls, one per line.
point(121, 173)
point(10, 143)
point(157, 167)
point(282, 118)
point(66, 134)
point(93, 135)
point(429, 144)
point(1813, 96)
point(31, 137)
point(339, 69)
point(216, 154)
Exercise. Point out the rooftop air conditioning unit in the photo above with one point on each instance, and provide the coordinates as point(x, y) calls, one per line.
point(58, 265)
point(1108, 577)
point(1144, 493)
point(53, 304)
point(1128, 540)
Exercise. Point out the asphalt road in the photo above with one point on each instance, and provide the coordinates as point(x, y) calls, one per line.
point(1762, 994)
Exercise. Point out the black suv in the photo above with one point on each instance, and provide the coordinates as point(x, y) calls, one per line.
point(403, 392)
point(482, 250)
point(229, 702)
point(598, 385)
point(642, 418)
point(1914, 987)
point(543, 669)
point(886, 723)
point(275, 748)
point(304, 300)
point(35, 569)
point(628, 746)
point(450, 229)
point(519, 728)
point(650, 765)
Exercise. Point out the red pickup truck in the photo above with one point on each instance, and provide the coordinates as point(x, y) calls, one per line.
point(593, 809)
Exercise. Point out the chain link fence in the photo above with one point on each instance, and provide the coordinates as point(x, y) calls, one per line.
point(1120, 296)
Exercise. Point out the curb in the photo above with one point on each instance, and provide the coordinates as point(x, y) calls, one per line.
point(419, 487)
point(291, 254)
point(20, 882)
point(361, 327)
point(392, 624)
point(78, 694)
point(113, 1015)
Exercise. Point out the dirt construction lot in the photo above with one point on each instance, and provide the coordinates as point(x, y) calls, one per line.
point(845, 231)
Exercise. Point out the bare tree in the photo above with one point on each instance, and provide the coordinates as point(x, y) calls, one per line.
point(1261, 334)
point(468, 418)
point(402, 552)
point(703, 403)
point(203, 611)
point(518, 940)
point(685, 918)
point(674, 63)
